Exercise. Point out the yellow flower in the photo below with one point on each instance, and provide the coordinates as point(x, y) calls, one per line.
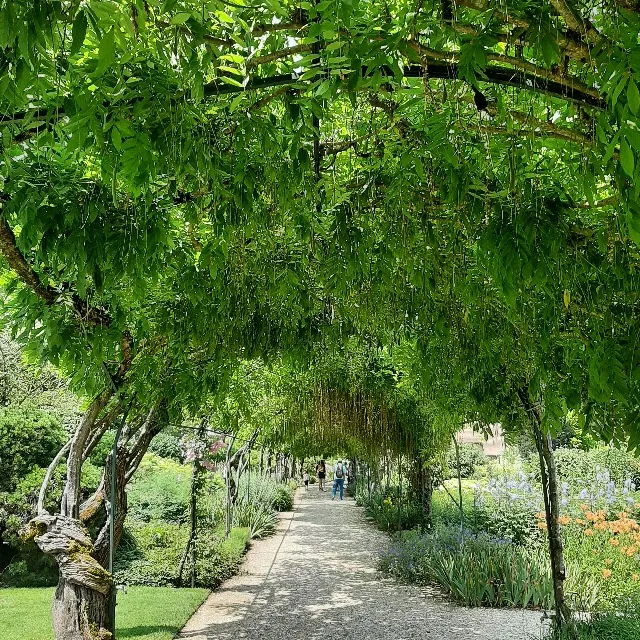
point(634, 577)
point(606, 573)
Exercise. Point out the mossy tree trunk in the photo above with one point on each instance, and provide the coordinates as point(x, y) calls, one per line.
point(80, 608)
point(82, 602)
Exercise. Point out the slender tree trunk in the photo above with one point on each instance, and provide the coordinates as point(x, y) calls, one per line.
point(458, 473)
point(551, 507)
point(193, 525)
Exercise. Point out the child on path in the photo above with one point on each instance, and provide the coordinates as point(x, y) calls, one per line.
point(305, 479)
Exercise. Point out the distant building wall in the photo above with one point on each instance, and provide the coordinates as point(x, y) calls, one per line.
point(493, 446)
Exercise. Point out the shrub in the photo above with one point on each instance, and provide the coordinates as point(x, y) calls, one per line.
point(29, 438)
point(218, 559)
point(167, 445)
point(150, 554)
point(160, 491)
point(283, 499)
point(382, 507)
point(470, 458)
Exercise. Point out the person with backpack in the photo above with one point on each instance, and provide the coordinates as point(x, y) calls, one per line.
point(339, 472)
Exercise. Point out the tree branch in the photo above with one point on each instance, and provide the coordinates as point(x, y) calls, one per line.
point(40, 510)
point(17, 262)
point(576, 22)
point(277, 55)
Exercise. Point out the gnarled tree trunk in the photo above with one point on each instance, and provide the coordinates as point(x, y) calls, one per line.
point(81, 604)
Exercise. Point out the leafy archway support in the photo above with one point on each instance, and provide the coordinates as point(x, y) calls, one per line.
point(551, 505)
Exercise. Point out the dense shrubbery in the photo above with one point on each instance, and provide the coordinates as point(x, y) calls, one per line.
point(29, 438)
point(167, 445)
point(28, 566)
point(150, 554)
point(160, 490)
point(157, 533)
point(390, 509)
point(470, 459)
point(503, 516)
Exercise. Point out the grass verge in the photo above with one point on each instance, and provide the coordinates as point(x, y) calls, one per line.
point(144, 613)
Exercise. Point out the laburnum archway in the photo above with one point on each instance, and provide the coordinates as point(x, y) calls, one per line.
point(187, 185)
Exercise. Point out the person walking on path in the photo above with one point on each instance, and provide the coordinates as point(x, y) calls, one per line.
point(305, 479)
point(321, 470)
point(338, 479)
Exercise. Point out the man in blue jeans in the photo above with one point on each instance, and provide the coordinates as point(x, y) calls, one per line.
point(339, 473)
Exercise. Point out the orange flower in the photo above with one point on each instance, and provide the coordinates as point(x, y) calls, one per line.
point(583, 507)
point(588, 532)
point(564, 520)
point(608, 562)
point(631, 551)
point(606, 573)
point(613, 542)
point(580, 521)
point(542, 525)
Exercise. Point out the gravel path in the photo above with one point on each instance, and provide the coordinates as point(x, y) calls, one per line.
point(317, 578)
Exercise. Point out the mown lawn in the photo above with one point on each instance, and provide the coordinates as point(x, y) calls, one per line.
point(145, 613)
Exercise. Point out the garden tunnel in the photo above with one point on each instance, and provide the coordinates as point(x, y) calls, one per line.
point(188, 186)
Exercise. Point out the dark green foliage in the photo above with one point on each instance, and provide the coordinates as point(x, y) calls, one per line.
point(167, 445)
point(471, 457)
point(160, 491)
point(283, 499)
point(218, 559)
point(29, 438)
point(102, 449)
point(602, 627)
point(29, 567)
point(150, 554)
